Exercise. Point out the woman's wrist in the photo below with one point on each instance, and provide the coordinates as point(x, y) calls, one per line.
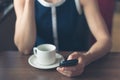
point(88, 58)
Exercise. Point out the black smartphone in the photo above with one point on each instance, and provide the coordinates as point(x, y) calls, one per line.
point(68, 63)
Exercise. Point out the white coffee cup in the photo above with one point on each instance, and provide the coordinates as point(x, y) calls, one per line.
point(45, 54)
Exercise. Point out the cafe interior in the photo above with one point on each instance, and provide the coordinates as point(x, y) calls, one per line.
point(110, 12)
point(15, 66)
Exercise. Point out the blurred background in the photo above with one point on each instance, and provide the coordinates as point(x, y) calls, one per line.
point(7, 23)
point(116, 27)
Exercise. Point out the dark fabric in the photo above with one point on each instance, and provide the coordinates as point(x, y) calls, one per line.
point(72, 27)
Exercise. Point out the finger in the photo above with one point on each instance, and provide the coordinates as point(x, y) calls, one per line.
point(74, 55)
point(66, 73)
point(71, 69)
point(59, 68)
point(62, 71)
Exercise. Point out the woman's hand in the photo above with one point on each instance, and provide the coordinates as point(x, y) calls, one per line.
point(74, 70)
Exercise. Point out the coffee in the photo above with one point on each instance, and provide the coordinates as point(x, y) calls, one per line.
point(45, 54)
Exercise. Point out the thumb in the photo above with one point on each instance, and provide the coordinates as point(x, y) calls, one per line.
point(74, 55)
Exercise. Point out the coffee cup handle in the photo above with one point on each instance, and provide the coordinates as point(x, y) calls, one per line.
point(35, 51)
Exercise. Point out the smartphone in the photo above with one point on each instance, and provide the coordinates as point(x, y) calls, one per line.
point(68, 63)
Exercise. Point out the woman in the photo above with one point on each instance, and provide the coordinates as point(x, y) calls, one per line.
point(62, 22)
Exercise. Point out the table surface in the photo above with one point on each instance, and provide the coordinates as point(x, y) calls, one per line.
point(14, 66)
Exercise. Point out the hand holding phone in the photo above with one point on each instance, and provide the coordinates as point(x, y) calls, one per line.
point(68, 63)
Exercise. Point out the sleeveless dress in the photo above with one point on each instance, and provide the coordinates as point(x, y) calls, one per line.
point(68, 29)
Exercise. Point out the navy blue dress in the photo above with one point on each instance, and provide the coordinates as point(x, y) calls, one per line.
point(71, 26)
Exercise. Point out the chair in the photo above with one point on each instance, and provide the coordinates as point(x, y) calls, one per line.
point(107, 11)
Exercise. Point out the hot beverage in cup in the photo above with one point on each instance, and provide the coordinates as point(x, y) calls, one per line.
point(45, 54)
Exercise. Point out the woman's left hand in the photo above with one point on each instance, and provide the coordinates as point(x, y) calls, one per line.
point(74, 70)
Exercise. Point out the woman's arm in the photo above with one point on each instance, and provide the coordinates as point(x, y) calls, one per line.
point(99, 48)
point(99, 30)
point(25, 30)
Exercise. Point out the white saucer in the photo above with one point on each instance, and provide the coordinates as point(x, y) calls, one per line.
point(32, 61)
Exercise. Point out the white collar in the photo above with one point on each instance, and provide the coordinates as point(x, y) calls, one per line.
point(47, 4)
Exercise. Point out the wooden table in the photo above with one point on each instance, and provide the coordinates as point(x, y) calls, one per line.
point(14, 66)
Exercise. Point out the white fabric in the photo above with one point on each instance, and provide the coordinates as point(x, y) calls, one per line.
point(47, 4)
point(78, 6)
point(54, 24)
